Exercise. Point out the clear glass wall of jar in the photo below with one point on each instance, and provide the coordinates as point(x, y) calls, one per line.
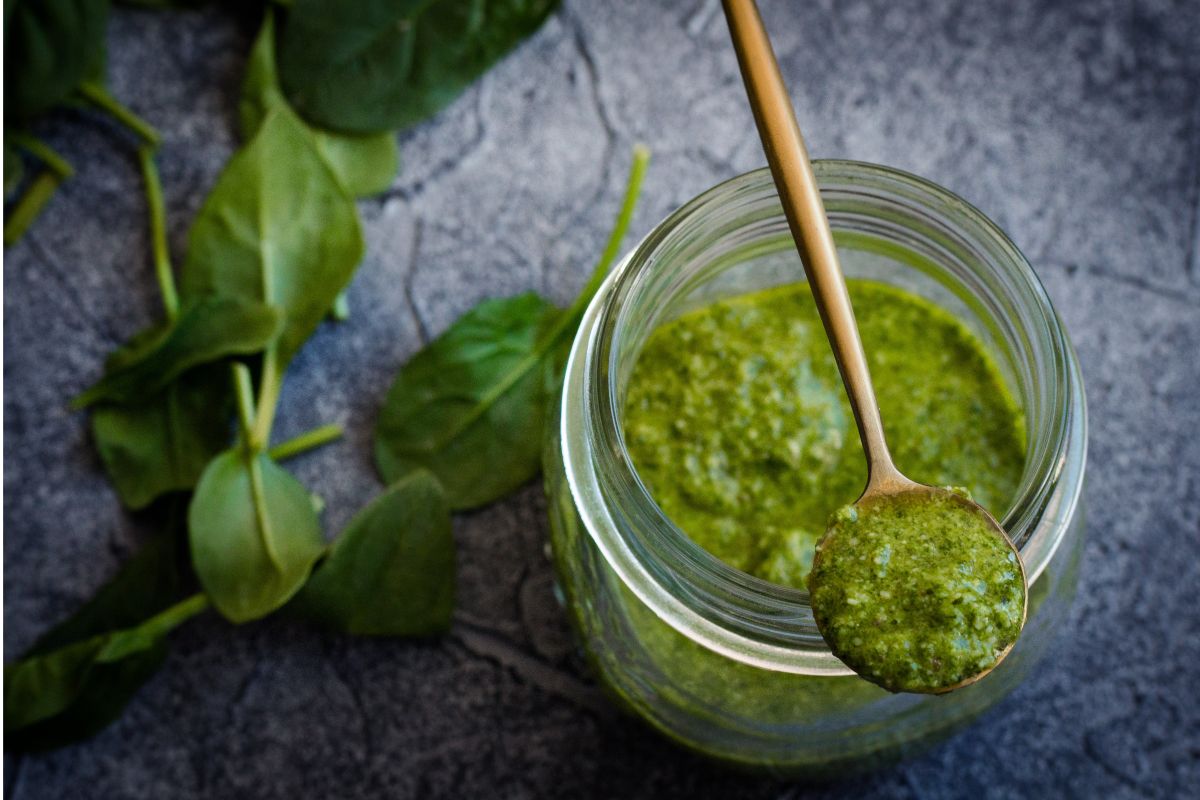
point(722, 662)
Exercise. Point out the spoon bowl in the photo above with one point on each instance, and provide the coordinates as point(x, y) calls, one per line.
point(918, 590)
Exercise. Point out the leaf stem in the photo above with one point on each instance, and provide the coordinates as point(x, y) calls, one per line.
point(305, 442)
point(44, 153)
point(254, 444)
point(633, 189)
point(245, 405)
point(340, 312)
point(158, 232)
point(174, 616)
point(258, 494)
point(268, 398)
point(30, 205)
point(40, 189)
point(99, 97)
point(120, 644)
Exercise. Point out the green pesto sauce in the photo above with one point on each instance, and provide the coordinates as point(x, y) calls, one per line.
point(738, 424)
point(916, 592)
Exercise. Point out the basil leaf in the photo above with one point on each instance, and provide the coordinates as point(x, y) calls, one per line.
point(70, 694)
point(391, 572)
point(50, 46)
point(365, 165)
point(150, 582)
point(254, 534)
point(163, 443)
point(153, 579)
point(470, 407)
point(205, 330)
point(277, 228)
point(66, 694)
point(365, 66)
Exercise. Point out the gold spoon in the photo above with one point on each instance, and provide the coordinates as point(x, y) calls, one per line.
point(801, 199)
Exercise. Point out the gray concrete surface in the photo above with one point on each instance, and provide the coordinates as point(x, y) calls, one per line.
point(1075, 125)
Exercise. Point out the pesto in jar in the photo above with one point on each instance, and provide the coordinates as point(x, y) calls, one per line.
point(738, 425)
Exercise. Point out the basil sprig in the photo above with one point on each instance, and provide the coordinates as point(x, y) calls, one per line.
point(269, 256)
point(470, 407)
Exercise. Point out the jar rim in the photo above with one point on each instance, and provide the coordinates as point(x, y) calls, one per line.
point(725, 609)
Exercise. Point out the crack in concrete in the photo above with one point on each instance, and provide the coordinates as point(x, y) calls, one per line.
point(451, 163)
point(611, 137)
point(722, 166)
point(518, 600)
point(410, 275)
point(368, 738)
point(1175, 294)
point(474, 743)
point(593, 74)
point(56, 271)
point(493, 646)
point(243, 688)
point(1090, 752)
point(203, 767)
point(701, 18)
point(919, 791)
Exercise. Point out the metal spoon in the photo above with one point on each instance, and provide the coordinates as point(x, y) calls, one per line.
point(793, 174)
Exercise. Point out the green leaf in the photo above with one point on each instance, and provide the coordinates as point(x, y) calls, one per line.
point(164, 443)
point(391, 571)
point(470, 407)
point(278, 228)
point(365, 165)
point(365, 66)
point(152, 580)
point(66, 694)
point(205, 330)
point(69, 694)
point(50, 46)
point(254, 535)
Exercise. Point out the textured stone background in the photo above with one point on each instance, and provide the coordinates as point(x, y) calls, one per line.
point(1075, 125)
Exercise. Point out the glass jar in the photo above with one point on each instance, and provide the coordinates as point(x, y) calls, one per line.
point(723, 662)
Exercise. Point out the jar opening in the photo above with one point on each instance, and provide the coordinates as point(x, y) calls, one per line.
point(898, 227)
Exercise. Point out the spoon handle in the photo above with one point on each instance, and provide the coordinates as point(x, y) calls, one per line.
point(788, 158)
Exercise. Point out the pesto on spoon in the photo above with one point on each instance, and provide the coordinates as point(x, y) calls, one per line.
point(915, 588)
point(916, 592)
